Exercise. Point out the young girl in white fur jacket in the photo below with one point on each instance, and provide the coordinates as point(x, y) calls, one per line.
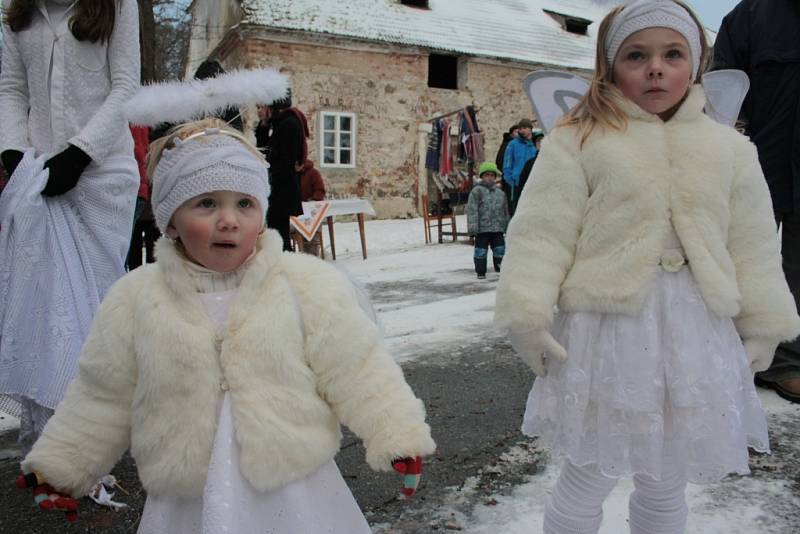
point(227, 367)
point(650, 226)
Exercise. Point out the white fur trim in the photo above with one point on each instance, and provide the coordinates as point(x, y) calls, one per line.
point(176, 102)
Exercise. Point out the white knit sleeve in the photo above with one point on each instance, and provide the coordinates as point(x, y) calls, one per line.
point(14, 98)
point(101, 133)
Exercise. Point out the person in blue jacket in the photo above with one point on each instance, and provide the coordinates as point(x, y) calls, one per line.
point(518, 152)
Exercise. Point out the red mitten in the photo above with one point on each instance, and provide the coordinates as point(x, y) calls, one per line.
point(411, 468)
point(47, 497)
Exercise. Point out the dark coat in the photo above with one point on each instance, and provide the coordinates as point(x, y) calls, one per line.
point(285, 151)
point(498, 160)
point(760, 37)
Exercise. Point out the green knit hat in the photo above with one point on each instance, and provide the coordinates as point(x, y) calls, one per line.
point(488, 166)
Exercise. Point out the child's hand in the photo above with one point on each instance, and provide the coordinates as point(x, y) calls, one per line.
point(412, 469)
point(533, 346)
point(47, 497)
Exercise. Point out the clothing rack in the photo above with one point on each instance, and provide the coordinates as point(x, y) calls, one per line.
point(459, 110)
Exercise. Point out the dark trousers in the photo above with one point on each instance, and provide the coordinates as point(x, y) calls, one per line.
point(786, 364)
point(482, 243)
point(279, 220)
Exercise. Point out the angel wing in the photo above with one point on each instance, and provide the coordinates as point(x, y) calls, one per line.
point(725, 92)
point(553, 93)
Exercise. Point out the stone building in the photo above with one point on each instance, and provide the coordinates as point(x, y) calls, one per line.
point(371, 74)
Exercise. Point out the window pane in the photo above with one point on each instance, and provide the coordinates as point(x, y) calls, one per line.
point(344, 157)
point(330, 139)
point(329, 156)
point(344, 123)
point(330, 122)
point(344, 140)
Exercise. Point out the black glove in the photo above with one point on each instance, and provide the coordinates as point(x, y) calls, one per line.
point(65, 170)
point(11, 159)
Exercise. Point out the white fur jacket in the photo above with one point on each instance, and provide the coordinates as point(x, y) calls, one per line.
point(592, 223)
point(151, 373)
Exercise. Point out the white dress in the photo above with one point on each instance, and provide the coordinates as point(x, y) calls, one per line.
point(672, 380)
point(320, 502)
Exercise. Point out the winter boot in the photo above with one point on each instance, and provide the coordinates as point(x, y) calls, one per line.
point(497, 261)
point(480, 267)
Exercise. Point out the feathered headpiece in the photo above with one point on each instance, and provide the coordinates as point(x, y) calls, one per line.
point(176, 102)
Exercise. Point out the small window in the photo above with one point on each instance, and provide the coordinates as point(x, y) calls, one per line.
point(415, 3)
point(571, 23)
point(338, 139)
point(443, 71)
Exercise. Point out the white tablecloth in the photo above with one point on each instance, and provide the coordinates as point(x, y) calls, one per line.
point(345, 206)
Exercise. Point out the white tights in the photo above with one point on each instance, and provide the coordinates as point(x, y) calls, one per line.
point(576, 503)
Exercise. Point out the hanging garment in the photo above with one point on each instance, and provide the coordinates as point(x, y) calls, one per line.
point(470, 136)
point(433, 152)
point(446, 159)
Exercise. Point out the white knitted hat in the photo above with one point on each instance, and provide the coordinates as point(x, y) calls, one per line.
point(212, 160)
point(641, 14)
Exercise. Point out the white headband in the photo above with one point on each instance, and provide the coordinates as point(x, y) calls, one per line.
point(641, 14)
point(210, 160)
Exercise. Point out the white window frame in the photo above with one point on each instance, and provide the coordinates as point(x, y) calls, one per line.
point(337, 133)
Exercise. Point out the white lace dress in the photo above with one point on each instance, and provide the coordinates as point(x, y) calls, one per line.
point(672, 380)
point(321, 502)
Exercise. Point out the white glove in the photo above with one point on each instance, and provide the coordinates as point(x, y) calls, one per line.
point(533, 346)
point(760, 352)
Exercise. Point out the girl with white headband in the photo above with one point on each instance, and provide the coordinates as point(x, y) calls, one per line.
point(650, 227)
point(227, 367)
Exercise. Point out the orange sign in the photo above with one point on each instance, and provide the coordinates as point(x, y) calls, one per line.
point(309, 222)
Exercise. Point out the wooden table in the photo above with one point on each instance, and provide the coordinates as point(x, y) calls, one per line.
point(346, 206)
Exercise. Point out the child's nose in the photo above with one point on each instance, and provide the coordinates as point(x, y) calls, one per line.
point(655, 68)
point(227, 219)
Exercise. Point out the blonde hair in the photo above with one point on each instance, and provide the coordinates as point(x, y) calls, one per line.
point(185, 130)
point(601, 105)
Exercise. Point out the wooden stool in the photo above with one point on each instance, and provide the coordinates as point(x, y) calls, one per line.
point(447, 220)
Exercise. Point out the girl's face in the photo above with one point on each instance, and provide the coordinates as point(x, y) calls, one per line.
point(653, 69)
point(219, 229)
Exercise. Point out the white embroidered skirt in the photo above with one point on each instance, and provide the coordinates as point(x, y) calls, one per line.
point(321, 502)
point(672, 380)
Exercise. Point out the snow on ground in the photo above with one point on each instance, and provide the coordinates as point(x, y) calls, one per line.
point(734, 506)
point(457, 305)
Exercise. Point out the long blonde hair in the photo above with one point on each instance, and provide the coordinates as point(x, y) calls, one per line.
point(601, 105)
point(182, 131)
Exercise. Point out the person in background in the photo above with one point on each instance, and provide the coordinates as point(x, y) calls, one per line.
point(760, 37)
point(141, 143)
point(537, 136)
point(487, 218)
point(312, 186)
point(517, 153)
point(286, 152)
point(68, 69)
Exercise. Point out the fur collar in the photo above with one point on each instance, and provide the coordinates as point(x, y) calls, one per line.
point(176, 276)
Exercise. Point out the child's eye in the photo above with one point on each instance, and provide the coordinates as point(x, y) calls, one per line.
point(634, 56)
point(206, 203)
point(245, 203)
point(674, 54)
